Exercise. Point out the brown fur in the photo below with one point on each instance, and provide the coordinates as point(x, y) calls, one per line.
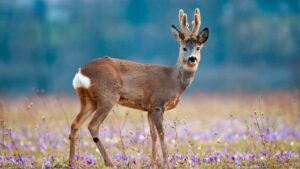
point(138, 86)
point(151, 88)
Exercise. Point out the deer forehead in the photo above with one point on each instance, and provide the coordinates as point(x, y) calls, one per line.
point(190, 37)
point(190, 43)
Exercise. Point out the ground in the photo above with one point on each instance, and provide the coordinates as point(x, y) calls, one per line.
point(204, 131)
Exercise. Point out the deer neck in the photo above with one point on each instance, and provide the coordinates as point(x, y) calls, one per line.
point(184, 76)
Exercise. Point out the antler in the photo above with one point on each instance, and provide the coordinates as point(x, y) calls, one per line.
point(183, 22)
point(185, 32)
point(196, 22)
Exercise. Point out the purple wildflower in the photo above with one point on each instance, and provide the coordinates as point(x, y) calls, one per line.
point(51, 159)
point(213, 158)
point(47, 165)
point(32, 159)
point(11, 160)
point(241, 157)
point(133, 159)
point(263, 163)
point(125, 160)
point(144, 158)
point(226, 149)
point(172, 159)
point(21, 160)
point(291, 154)
point(220, 154)
point(185, 159)
point(234, 157)
point(90, 160)
point(178, 156)
point(195, 159)
point(42, 144)
point(264, 154)
point(278, 156)
point(251, 157)
point(118, 156)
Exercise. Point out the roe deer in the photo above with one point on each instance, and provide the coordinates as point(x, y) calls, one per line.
point(105, 82)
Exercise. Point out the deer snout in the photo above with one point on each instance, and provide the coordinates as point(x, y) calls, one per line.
point(192, 59)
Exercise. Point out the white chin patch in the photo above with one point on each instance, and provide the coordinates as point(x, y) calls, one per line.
point(192, 63)
point(81, 80)
point(190, 67)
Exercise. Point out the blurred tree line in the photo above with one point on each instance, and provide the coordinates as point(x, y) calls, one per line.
point(253, 44)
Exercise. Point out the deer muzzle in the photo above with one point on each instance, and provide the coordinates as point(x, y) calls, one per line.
point(192, 60)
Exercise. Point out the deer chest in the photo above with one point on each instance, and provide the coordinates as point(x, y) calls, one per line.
point(172, 102)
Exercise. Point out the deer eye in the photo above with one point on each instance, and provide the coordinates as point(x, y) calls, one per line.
point(198, 48)
point(184, 49)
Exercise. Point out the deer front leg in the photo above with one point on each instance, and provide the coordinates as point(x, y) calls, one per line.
point(157, 117)
point(153, 137)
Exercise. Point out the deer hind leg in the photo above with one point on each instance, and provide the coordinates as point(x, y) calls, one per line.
point(153, 137)
point(157, 117)
point(104, 106)
point(88, 106)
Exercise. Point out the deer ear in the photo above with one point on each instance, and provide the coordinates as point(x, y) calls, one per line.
point(179, 36)
point(203, 36)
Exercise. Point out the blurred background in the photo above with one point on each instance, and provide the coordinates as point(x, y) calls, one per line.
point(253, 44)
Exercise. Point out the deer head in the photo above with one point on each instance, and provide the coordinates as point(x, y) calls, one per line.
point(191, 42)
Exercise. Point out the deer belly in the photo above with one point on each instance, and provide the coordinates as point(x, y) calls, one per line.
point(136, 104)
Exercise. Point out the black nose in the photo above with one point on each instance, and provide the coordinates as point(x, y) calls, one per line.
point(192, 59)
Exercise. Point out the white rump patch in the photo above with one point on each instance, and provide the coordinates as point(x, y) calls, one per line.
point(81, 80)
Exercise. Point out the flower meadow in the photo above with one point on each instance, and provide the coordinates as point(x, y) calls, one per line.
point(204, 131)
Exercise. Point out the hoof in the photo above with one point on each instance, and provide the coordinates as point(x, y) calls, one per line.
point(167, 165)
point(71, 163)
point(153, 161)
point(109, 163)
